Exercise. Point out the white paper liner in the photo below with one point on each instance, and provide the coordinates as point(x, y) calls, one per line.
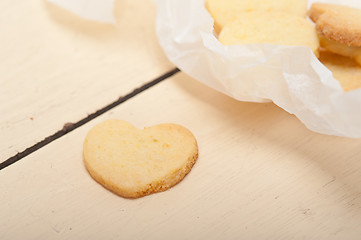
point(292, 77)
point(97, 10)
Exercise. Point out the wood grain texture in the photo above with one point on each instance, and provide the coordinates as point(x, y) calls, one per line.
point(260, 175)
point(57, 68)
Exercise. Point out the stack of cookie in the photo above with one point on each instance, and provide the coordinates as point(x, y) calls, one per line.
point(335, 37)
point(339, 30)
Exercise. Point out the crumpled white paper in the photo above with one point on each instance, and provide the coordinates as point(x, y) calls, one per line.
point(97, 10)
point(291, 77)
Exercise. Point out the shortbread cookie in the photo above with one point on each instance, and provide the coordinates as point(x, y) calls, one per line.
point(225, 11)
point(337, 23)
point(270, 27)
point(133, 163)
point(339, 29)
point(341, 49)
point(317, 9)
point(344, 70)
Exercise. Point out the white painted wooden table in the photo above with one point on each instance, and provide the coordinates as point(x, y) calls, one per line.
point(56, 68)
point(260, 174)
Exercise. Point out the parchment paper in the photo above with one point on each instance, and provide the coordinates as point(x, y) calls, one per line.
point(291, 77)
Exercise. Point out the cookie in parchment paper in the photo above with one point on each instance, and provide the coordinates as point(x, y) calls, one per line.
point(344, 69)
point(226, 11)
point(339, 28)
point(270, 27)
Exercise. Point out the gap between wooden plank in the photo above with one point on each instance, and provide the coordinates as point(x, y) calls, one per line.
point(72, 126)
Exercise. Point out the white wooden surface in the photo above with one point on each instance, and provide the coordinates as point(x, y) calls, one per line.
point(260, 175)
point(57, 68)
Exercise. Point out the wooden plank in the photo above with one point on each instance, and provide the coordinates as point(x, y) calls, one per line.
point(57, 68)
point(260, 175)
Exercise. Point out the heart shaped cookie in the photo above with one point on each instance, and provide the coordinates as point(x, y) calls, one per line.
point(133, 163)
